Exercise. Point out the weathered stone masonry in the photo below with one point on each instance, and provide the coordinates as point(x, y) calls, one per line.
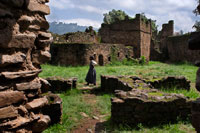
point(140, 101)
point(24, 45)
point(178, 49)
point(135, 32)
point(79, 54)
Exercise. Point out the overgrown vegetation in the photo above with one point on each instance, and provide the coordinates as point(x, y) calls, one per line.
point(74, 103)
point(118, 15)
point(114, 15)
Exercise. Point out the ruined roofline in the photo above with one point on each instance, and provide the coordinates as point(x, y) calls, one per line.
point(138, 17)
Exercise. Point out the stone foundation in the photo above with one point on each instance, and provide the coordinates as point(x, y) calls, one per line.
point(138, 102)
point(126, 83)
point(59, 84)
point(24, 45)
point(149, 107)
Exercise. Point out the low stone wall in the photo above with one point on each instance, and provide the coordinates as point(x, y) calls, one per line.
point(59, 84)
point(138, 102)
point(179, 83)
point(148, 107)
point(126, 83)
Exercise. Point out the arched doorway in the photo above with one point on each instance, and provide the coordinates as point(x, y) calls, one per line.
point(101, 61)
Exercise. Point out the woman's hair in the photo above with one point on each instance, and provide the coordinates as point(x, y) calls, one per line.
point(91, 58)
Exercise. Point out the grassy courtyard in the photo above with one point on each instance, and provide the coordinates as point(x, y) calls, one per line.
point(78, 102)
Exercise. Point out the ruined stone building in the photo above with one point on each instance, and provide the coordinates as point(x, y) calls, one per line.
point(131, 32)
point(159, 50)
point(79, 54)
point(24, 45)
point(89, 36)
point(173, 48)
point(130, 38)
point(178, 49)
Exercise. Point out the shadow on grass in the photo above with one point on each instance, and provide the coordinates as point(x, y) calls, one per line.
point(98, 91)
point(110, 126)
point(180, 63)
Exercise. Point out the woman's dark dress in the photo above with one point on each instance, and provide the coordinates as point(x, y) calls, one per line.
point(91, 75)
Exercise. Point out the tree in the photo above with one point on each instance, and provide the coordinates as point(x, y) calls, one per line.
point(181, 32)
point(114, 15)
point(153, 24)
point(197, 26)
point(197, 10)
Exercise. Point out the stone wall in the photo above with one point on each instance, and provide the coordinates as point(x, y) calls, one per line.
point(159, 51)
point(125, 83)
point(78, 54)
point(24, 45)
point(138, 102)
point(135, 32)
point(148, 107)
point(77, 37)
point(59, 84)
point(178, 49)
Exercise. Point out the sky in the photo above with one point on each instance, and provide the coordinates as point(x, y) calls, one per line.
point(90, 12)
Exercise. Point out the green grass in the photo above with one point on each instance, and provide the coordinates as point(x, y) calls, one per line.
point(103, 104)
point(152, 69)
point(73, 102)
point(181, 127)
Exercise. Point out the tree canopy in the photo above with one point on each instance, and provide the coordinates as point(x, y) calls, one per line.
point(117, 15)
point(114, 15)
point(197, 12)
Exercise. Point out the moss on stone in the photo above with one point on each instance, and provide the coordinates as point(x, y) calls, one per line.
point(155, 94)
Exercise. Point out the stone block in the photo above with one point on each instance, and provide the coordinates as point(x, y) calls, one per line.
point(37, 103)
point(20, 41)
point(56, 106)
point(8, 112)
point(33, 85)
point(59, 84)
point(11, 97)
point(12, 59)
point(34, 6)
point(14, 124)
point(40, 57)
point(41, 124)
point(22, 74)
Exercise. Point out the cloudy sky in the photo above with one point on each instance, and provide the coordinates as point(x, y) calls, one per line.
point(90, 12)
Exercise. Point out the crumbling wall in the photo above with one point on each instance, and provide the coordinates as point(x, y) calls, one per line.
point(178, 49)
point(24, 45)
point(79, 54)
point(131, 32)
point(77, 37)
point(137, 101)
point(159, 49)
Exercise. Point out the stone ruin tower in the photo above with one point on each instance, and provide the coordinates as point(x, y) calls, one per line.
point(24, 45)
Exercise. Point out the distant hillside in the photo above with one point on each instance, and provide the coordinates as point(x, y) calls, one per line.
point(62, 28)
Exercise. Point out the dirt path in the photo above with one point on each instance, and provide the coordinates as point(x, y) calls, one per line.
point(93, 123)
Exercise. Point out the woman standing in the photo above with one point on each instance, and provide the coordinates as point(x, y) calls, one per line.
point(91, 75)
